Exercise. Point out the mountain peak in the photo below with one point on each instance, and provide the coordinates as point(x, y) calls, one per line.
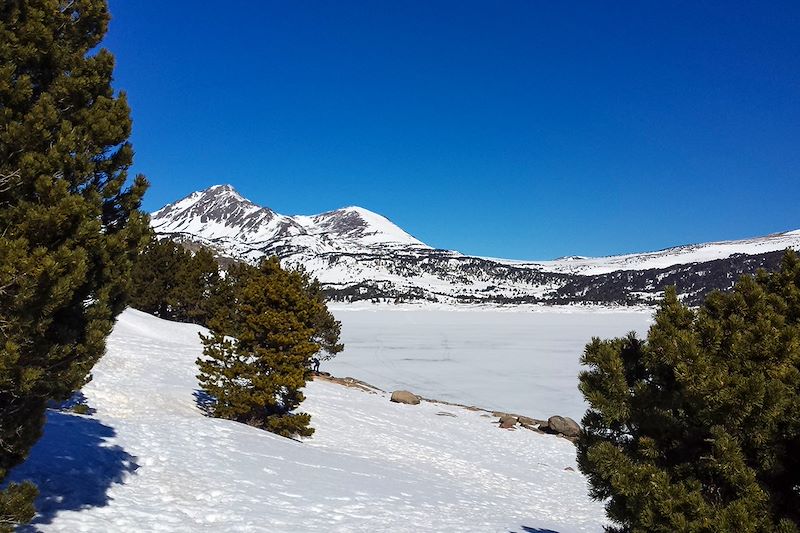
point(224, 192)
point(220, 189)
point(215, 194)
point(368, 227)
point(220, 212)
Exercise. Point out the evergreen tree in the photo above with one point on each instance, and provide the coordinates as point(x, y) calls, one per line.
point(153, 277)
point(326, 328)
point(261, 343)
point(174, 283)
point(697, 429)
point(197, 289)
point(69, 229)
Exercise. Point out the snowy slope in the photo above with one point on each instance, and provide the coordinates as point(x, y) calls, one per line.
point(360, 255)
point(148, 460)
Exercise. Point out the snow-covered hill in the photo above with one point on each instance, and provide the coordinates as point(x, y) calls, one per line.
point(360, 255)
point(147, 459)
point(678, 255)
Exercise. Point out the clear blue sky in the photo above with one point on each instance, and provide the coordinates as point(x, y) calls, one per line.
point(523, 129)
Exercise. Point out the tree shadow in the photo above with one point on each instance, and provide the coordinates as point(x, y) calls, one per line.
point(528, 529)
point(73, 466)
point(75, 401)
point(205, 402)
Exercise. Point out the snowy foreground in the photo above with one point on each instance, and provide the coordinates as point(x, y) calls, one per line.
point(148, 460)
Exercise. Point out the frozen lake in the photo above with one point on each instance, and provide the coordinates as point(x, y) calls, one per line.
point(523, 361)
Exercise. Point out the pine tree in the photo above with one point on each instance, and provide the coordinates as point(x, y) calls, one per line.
point(326, 328)
point(197, 287)
point(69, 229)
point(698, 428)
point(174, 283)
point(153, 277)
point(257, 356)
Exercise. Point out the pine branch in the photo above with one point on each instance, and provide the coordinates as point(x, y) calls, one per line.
point(8, 181)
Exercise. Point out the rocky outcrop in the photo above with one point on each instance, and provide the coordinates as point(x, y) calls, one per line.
point(555, 425)
point(562, 426)
point(348, 382)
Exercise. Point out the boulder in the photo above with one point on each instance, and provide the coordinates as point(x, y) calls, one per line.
point(403, 396)
point(508, 422)
point(563, 425)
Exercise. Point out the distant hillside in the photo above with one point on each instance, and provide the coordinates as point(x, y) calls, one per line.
point(360, 255)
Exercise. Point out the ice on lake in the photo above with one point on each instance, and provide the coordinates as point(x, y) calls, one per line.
point(524, 361)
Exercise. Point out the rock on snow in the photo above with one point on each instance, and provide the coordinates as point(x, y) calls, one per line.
point(148, 460)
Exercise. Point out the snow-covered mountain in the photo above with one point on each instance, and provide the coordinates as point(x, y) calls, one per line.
point(221, 214)
point(361, 255)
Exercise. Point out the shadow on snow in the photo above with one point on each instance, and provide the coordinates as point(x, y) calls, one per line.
point(77, 399)
point(73, 466)
point(204, 401)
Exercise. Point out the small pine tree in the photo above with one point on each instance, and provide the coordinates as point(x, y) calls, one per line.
point(261, 343)
point(69, 230)
point(697, 429)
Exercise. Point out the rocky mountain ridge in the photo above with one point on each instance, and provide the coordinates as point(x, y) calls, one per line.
point(360, 255)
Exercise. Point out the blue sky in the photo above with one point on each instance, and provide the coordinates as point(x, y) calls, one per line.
point(522, 129)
